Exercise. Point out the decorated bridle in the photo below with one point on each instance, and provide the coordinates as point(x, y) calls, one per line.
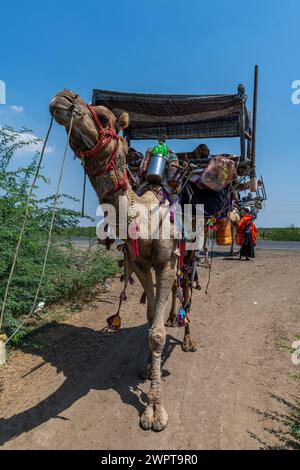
point(105, 137)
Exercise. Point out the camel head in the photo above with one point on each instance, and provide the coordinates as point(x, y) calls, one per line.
point(84, 133)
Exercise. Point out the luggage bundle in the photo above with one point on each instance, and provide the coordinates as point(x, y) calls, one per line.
point(219, 173)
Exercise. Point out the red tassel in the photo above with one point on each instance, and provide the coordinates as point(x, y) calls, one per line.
point(135, 248)
point(182, 246)
point(143, 298)
point(114, 322)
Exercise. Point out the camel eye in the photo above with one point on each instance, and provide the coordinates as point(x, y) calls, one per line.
point(104, 121)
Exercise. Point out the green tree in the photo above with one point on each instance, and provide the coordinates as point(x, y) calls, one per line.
point(66, 277)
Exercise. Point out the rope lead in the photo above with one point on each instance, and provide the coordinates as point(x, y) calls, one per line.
point(49, 234)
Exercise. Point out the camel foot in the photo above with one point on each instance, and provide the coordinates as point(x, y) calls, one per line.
point(145, 373)
point(147, 418)
point(188, 344)
point(171, 322)
point(204, 263)
point(160, 418)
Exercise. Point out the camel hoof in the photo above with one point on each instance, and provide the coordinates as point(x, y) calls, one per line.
point(160, 418)
point(188, 345)
point(147, 418)
point(196, 286)
point(171, 322)
point(145, 373)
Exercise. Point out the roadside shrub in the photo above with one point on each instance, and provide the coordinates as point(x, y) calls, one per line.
point(70, 273)
point(291, 234)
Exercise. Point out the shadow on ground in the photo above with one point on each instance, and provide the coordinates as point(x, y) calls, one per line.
point(89, 360)
point(288, 422)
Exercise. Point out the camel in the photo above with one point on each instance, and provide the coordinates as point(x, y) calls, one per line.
point(94, 138)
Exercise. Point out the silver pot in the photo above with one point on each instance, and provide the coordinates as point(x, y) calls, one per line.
point(156, 169)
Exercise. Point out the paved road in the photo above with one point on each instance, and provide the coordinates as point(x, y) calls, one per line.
point(270, 245)
point(261, 244)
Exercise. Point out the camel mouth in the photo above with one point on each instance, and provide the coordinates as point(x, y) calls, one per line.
point(66, 107)
point(60, 102)
point(60, 106)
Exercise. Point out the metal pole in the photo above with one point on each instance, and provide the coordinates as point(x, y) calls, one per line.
point(241, 93)
point(254, 114)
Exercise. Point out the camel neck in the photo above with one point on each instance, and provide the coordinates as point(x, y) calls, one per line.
point(124, 210)
point(108, 175)
point(123, 198)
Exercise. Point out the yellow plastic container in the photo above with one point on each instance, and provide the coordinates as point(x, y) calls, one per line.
point(224, 236)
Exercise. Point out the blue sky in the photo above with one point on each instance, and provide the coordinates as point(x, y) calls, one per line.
point(160, 46)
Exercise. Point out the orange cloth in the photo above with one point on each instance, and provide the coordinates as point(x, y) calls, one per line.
point(246, 220)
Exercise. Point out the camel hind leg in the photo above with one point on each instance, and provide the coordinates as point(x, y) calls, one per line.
point(171, 321)
point(188, 344)
point(205, 248)
point(232, 241)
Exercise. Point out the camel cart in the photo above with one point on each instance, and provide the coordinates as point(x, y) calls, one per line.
point(171, 116)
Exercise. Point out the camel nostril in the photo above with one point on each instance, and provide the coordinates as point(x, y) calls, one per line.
point(52, 105)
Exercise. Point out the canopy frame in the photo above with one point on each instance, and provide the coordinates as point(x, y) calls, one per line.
point(171, 116)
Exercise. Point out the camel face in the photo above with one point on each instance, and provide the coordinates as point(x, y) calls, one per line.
point(84, 133)
point(60, 107)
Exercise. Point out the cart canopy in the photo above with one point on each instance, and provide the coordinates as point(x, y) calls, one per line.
point(170, 116)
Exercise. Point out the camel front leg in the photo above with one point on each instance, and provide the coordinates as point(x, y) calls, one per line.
point(232, 241)
point(144, 275)
point(155, 415)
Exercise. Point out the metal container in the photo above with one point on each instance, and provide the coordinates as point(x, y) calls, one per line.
point(156, 169)
point(224, 234)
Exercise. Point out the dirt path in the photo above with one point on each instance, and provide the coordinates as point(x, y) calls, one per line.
point(81, 391)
